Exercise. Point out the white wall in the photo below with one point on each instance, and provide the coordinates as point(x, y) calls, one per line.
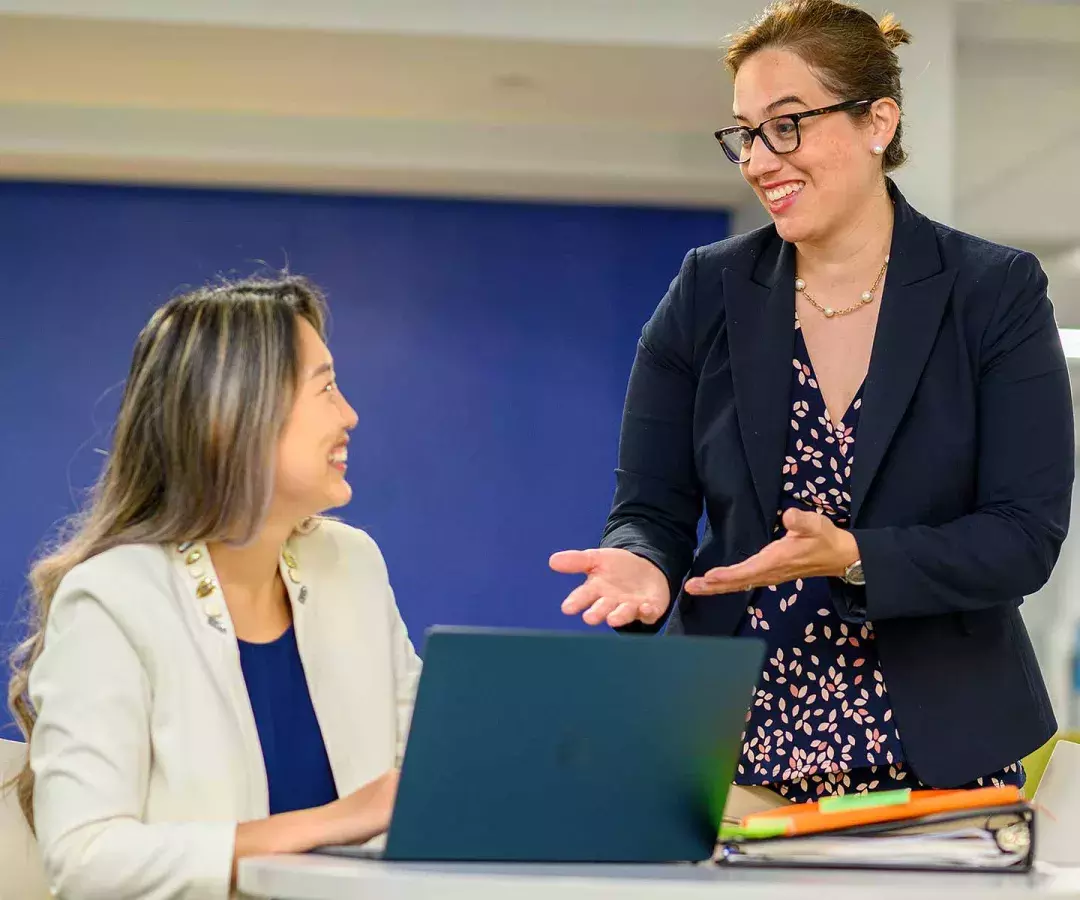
point(1053, 614)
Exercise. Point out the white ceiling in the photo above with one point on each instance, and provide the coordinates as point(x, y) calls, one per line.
point(349, 110)
point(680, 22)
point(135, 65)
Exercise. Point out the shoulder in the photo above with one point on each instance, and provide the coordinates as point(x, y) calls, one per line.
point(345, 568)
point(1001, 300)
point(334, 548)
point(978, 260)
point(130, 583)
point(114, 572)
point(1000, 292)
point(739, 253)
point(692, 311)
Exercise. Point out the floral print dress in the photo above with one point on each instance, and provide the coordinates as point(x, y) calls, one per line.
point(821, 722)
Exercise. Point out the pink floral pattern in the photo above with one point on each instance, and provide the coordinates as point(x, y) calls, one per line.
point(878, 778)
point(821, 721)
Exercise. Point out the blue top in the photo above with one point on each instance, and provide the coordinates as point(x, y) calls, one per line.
point(821, 721)
point(297, 767)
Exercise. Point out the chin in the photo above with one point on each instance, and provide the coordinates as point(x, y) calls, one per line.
point(339, 495)
point(794, 229)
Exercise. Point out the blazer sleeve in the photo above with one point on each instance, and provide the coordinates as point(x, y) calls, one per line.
point(1008, 545)
point(658, 499)
point(407, 667)
point(90, 753)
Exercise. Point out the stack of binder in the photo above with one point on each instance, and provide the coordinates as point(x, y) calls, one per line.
point(987, 829)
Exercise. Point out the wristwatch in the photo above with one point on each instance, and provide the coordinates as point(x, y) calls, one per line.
point(853, 574)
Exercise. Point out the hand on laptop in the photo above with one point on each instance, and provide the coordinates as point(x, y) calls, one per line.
point(353, 819)
point(620, 587)
point(363, 814)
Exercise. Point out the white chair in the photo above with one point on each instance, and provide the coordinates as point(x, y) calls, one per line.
point(20, 863)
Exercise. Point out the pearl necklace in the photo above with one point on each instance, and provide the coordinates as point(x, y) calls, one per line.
point(865, 298)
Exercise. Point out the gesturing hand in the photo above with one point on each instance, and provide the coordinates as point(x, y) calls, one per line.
point(620, 587)
point(813, 546)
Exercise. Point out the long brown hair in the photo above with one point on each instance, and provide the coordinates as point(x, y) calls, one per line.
point(210, 386)
point(852, 54)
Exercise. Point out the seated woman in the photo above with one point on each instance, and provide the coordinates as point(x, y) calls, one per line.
point(214, 672)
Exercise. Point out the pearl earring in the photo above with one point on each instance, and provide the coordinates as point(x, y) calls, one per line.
point(878, 150)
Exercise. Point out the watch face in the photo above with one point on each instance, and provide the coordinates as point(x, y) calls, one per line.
point(854, 574)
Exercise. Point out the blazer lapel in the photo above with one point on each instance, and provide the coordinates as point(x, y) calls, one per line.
point(761, 335)
point(344, 693)
point(915, 295)
point(216, 641)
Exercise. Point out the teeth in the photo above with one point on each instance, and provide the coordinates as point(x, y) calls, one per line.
point(339, 456)
point(782, 191)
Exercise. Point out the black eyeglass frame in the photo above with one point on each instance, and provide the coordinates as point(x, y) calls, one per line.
point(794, 118)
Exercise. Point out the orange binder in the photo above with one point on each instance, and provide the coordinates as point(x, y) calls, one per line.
point(852, 810)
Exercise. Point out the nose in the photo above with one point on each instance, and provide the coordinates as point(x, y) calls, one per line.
point(762, 160)
point(348, 413)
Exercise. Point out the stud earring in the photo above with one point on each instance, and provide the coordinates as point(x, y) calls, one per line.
point(878, 150)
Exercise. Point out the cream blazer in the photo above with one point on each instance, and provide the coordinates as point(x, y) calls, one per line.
point(145, 749)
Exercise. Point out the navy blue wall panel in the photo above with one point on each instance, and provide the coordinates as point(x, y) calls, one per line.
point(485, 346)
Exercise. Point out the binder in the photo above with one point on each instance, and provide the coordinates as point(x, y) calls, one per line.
point(987, 829)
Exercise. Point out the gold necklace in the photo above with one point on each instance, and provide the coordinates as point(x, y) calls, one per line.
point(865, 298)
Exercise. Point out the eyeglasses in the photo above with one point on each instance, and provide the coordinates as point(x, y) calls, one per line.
point(780, 134)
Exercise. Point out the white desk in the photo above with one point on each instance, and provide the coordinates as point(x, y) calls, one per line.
point(331, 878)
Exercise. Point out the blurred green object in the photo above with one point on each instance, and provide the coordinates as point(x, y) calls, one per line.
point(1035, 763)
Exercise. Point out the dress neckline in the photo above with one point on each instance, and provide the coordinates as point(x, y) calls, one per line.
point(281, 638)
point(816, 385)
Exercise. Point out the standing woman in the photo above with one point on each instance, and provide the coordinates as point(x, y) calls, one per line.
point(873, 411)
point(214, 672)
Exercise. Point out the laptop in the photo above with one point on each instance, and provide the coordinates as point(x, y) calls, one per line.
point(530, 746)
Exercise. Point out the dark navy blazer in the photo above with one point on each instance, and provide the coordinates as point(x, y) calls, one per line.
point(960, 489)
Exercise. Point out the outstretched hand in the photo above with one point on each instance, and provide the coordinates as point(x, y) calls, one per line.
point(813, 546)
point(620, 587)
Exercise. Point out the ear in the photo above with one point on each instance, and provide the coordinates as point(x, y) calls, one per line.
point(884, 119)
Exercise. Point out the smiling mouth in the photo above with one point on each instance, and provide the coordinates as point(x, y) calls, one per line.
point(774, 195)
point(339, 457)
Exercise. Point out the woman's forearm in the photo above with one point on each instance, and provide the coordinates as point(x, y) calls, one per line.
point(345, 821)
point(292, 832)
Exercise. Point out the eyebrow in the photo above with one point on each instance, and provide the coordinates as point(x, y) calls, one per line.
point(322, 370)
point(776, 104)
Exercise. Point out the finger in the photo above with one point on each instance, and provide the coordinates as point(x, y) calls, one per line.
point(772, 557)
point(649, 613)
point(600, 610)
point(750, 571)
point(573, 562)
point(631, 611)
point(701, 588)
point(581, 598)
point(801, 521)
point(770, 566)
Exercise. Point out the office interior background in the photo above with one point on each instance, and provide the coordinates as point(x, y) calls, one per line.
point(495, 194)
